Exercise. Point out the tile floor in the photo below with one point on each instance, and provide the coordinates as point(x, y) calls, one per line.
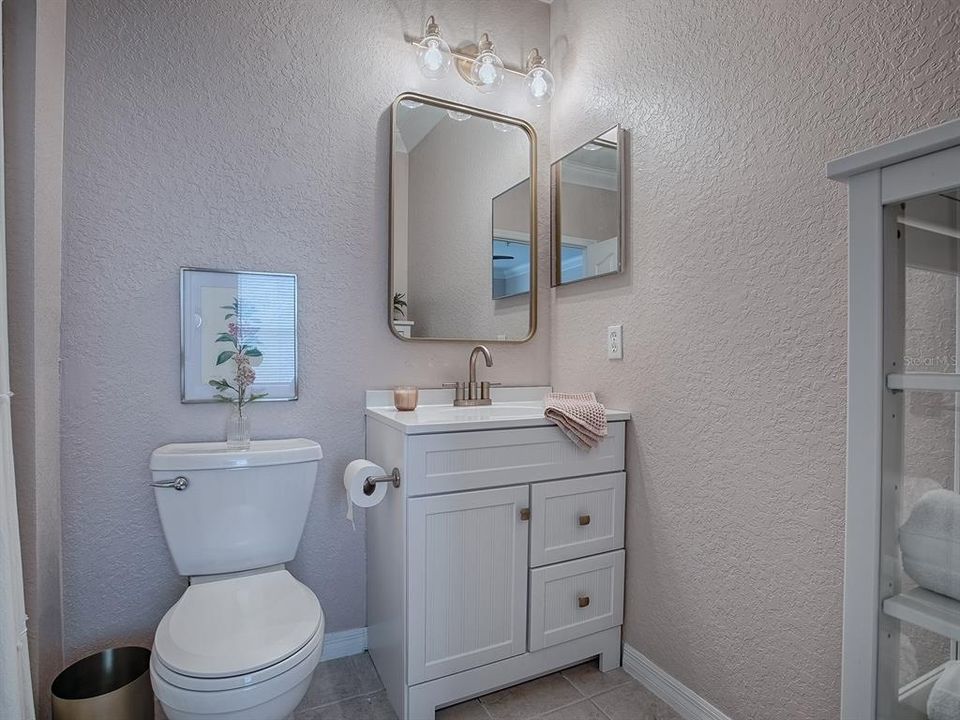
point(350, 689)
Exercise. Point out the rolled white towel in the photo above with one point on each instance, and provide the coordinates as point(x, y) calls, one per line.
point(944, 700)
point(930, 542)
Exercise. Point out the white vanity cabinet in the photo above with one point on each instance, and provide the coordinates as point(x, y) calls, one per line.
point(500, 556)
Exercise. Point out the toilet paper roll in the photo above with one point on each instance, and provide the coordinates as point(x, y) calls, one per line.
point(355, 474)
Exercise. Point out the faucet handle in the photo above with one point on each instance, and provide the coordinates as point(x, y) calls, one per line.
point(459, 389)
point(485, 389)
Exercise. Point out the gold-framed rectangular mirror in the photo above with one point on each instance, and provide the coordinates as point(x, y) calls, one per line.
point(463, 219)
point(588, 203)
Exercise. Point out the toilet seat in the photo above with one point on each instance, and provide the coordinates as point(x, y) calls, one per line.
point(237, 631)
point(207, 684)
point(271, 696)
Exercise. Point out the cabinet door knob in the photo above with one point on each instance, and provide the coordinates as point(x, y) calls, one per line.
point(524, 514)
point(583, 600)
point(584, 519)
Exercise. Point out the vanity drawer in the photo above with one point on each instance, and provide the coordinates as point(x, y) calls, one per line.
point(447, 462)
point(574, 518)
point(575, 599)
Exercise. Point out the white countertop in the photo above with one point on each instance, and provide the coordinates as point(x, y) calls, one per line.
point(511, 408)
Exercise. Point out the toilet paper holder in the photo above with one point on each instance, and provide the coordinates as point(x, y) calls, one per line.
point(370, 484)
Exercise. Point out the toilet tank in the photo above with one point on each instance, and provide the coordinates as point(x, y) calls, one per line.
point(240, 509)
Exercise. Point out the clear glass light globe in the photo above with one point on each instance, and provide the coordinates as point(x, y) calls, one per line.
point(433, 57)
point(487, 72)
point(540, 86)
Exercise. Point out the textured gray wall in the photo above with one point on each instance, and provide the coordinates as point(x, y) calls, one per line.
point(251, 135)
point(734, 304)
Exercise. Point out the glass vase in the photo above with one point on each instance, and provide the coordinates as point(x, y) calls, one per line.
point(238, 428)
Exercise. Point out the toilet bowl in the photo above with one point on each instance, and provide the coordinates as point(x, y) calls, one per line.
point(243, 640)
point(238, 647)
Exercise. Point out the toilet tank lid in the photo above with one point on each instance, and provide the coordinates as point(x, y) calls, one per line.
point(217, 456)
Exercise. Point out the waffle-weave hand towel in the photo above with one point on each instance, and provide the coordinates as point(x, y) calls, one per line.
point(579, 415)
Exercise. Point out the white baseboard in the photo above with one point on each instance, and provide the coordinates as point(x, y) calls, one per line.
point(685, 701)
point(344, 643)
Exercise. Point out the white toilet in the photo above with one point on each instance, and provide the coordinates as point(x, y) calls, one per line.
point(244, 639)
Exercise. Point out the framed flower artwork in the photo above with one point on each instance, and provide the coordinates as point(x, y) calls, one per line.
point(238, 336)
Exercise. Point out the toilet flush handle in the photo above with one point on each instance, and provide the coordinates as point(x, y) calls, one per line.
point(178, 483)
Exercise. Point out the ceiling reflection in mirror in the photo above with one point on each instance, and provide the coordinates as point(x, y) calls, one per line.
point(462, 217)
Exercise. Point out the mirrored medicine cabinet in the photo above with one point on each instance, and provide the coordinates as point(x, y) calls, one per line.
point(588, 210)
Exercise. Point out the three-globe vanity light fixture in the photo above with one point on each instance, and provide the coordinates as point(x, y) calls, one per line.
point(480, 66)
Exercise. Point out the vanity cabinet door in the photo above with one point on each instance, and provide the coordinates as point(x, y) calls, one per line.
point(467, 580)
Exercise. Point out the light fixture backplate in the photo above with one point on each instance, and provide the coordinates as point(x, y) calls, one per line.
point(465, 64)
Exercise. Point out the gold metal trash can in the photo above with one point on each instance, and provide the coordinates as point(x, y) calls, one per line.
point(112, 684)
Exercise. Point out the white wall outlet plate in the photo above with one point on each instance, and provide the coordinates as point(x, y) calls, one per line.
point(615, 342)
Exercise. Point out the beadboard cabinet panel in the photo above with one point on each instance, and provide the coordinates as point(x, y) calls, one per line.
point(467, 580)
point(471, 460)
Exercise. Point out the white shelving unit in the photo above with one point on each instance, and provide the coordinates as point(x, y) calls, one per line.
point(929, 610)
point(881, 182)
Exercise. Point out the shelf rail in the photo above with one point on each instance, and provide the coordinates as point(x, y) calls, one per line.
point(926, 609)
point(929, 382)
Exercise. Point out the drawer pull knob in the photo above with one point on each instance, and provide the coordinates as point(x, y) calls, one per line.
point(524, 514)
point(584, 519)
point(583, 600)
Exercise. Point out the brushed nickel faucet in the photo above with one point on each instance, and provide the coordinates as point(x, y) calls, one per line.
point(469, 394)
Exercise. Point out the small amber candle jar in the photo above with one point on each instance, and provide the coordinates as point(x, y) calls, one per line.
point(405, 397)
